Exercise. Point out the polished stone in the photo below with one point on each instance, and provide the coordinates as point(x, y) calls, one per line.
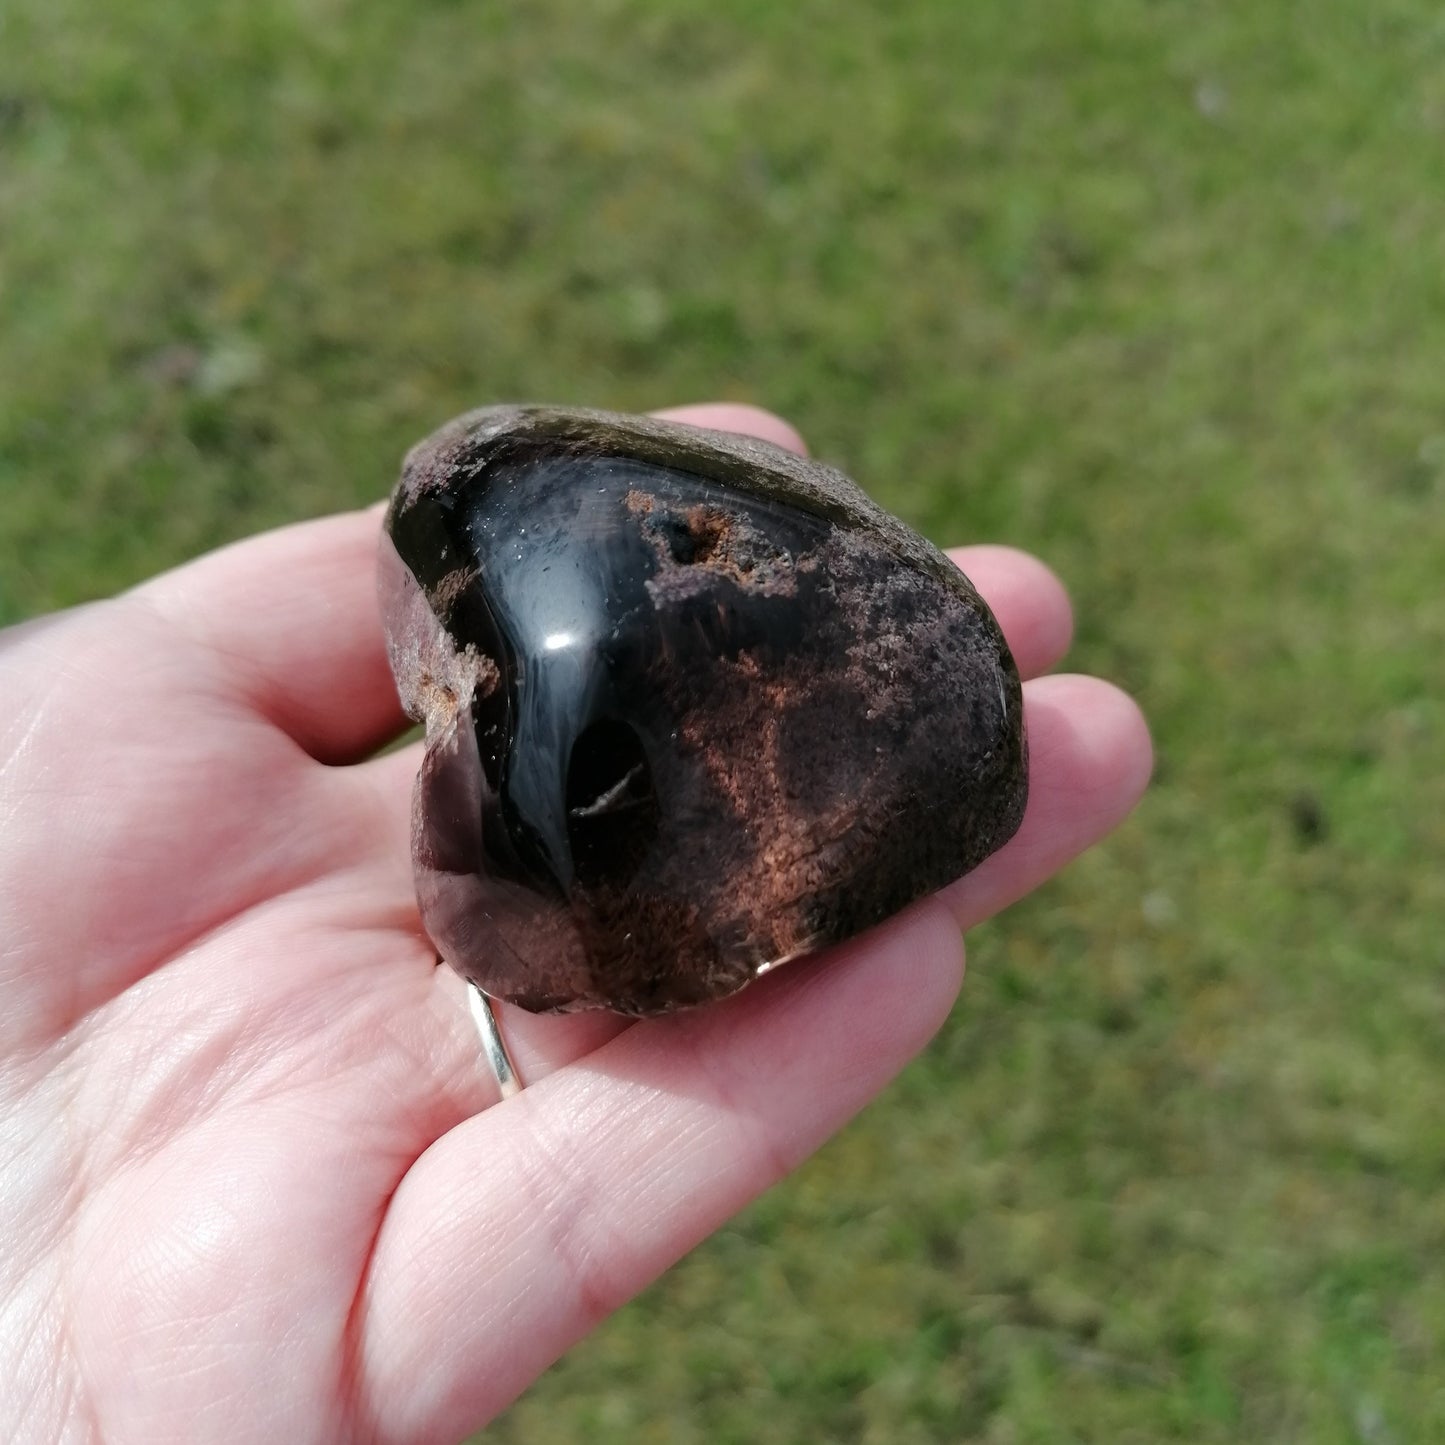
point(695, 707)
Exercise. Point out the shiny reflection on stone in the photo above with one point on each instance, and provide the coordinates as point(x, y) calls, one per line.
point(695, 707)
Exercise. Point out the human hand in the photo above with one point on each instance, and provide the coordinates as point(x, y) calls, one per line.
point(251, 1183)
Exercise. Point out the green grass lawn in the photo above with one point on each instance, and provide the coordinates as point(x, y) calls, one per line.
point(1154, 288)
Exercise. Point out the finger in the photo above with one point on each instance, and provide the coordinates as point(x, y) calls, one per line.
point(735, 416)
point(288, 625)
point(1089, 763)
point(1028, 600)
point(538, 1045)
point(522, 1228)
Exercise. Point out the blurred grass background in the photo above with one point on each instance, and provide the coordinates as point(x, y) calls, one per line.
point(1154, 288)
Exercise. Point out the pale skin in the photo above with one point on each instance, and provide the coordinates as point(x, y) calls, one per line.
point(255, 1182)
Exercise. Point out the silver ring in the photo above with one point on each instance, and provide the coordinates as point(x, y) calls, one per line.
point(493, 1045)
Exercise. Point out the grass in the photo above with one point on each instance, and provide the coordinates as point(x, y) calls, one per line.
point(1154, 288)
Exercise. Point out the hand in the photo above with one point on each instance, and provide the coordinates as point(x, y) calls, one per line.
point(251, 1187)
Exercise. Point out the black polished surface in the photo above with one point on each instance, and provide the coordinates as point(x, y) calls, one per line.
point(570, 549)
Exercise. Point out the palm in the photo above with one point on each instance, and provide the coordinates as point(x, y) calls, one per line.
point(252, 1188)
